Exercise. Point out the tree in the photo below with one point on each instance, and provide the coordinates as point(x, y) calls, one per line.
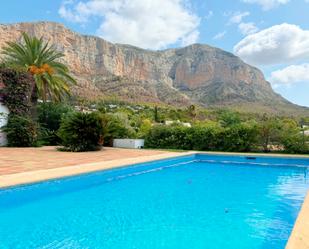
point(228, 118)
point(145, 127)
point(192, 111)
point(52, 78)
point(268, 130)
point(156, 115)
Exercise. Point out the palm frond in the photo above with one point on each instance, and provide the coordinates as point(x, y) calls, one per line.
point(52, 81)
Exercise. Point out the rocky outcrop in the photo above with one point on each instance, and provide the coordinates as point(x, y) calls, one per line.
point(195, 74)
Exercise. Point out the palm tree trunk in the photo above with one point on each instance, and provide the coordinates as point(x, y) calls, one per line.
point(34, 103)
point(44, 92)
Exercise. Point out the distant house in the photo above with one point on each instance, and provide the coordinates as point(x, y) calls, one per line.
point(4, 112)
point(306, 132)
point(84, 109)
point(170, 122)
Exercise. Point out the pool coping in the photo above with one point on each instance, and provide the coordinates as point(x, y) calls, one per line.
point(299, 238)
point(36, 176)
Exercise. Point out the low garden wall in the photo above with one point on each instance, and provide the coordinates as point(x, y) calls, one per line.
point(4, 112)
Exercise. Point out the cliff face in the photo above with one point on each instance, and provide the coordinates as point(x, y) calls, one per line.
point(195, 74)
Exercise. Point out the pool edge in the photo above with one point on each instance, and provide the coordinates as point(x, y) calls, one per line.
point(252, 154)
point(36, 176)
point(299, 238)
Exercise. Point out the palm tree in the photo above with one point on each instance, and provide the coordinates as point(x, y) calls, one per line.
point(52, 78)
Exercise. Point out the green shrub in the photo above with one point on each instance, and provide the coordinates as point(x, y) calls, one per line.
point(82, 132)
point(49, 118)
point(21, 131)
point(206, 137)
point(240, 137)
point(293, 139)
point(228, 118)
point(144, 128)
point(16, 94)
point(169, 137)
point(295, 144)
point(213, 137)
point(116, 126)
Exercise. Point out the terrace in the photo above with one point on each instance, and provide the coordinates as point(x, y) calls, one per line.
point(24, 165)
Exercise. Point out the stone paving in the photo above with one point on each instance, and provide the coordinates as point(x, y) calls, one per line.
point(17, 160)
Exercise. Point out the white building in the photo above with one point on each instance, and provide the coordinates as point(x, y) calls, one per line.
point(170, 122)
point(4, 112)
point(306, 131)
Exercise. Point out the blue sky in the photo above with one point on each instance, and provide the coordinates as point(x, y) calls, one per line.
point(270, 34)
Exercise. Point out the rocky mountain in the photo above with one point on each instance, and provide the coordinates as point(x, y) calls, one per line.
point(197, 74)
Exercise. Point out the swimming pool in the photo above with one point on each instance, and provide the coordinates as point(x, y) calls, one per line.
point(197, 201)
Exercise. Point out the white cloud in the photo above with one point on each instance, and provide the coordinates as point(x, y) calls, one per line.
point(267, 4)
point(219, 36)
point(190, 39)
point(210, 14)
point(247, 28)
point(279, 44)
point(238, 16)
point(290, 75)
point(66, 13)
point(144, 23)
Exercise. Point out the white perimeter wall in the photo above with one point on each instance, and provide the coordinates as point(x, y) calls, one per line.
point(129, 143)
point(3, 121)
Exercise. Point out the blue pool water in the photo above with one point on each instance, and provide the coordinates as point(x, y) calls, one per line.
point(198, 202)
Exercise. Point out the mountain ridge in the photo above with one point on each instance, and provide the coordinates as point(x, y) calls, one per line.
point(196, 74)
